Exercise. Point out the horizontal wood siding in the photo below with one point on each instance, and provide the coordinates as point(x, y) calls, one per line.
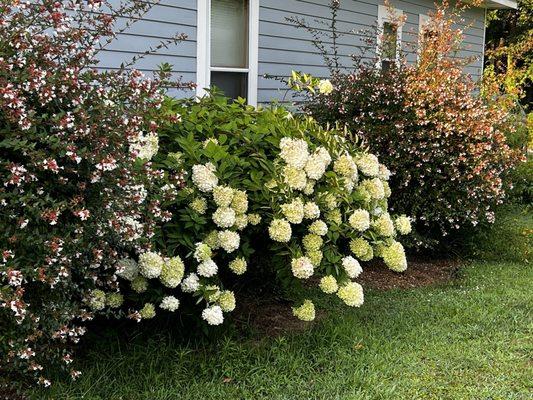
point(282, 47)
point(164, 20)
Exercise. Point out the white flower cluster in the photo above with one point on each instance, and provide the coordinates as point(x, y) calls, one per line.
point(293, 211)
point(302, 168)
point(345, 166)
point(302, 268)
point(294, 152)
point(351, 266)
point(146, 146)
point(203, 176)
point(360, 220)
point(169, 303)
point(368, 164)
point(280, 230)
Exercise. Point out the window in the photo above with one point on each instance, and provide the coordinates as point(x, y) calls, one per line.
point(424, 31)
point(227, 47)
point(389, 37)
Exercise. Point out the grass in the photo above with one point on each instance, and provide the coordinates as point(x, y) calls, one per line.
point(471, 338)
point(510, 238)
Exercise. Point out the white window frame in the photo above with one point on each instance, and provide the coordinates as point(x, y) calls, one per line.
point(384, 15)
point(423, 20)
point(203, 50)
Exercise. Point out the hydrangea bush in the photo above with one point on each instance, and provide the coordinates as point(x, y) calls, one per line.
point(77, 188)
point(263, 180)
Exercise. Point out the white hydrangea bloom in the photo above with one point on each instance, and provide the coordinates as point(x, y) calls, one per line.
point(280, 230)
point(191, 283)
point(213, 315)
point(169, 303)
point(207, 268)
point(240, 201)
point(403, 225)
point(368, 164)
point(202, 252)
point(127, 269)
point(150, 264)
point(328, 284)
point(238, 266)
point(254, 219)
point(394, 257)
point(325, 86)
point(351, 266)
point(203, 177)
point(324, 155)
point(296, 179)
point(229, 240)
point(383, 225)
point(360, 220)
point(224, 217)
point(302, 267)
point(311, 210)
point(352, 294)
point(146, 146)
point(293, 211)
point(223, 195)
point(374, 187)
point(226, 301)
point(294, 152)
point(318, 228)
point(309, 187)
point(241, 221)
point(345, 166)
point(315, 166)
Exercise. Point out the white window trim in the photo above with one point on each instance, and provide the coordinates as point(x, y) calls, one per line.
point(203, 50)
point(384, 14)
point(423, 20)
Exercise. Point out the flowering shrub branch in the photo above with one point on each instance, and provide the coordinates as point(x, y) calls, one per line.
point(74, 165)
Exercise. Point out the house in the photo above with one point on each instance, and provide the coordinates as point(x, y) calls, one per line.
point(233, 43)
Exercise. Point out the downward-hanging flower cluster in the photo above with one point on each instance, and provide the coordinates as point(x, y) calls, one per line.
point(350, 191)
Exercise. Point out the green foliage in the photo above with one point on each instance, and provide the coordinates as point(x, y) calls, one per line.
point(509, 53)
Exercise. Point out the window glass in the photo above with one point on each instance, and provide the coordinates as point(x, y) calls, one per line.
point(229, 33)
point(389, 45)
point(233, 84)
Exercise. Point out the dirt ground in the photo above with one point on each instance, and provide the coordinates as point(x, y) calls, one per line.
point(276, 316)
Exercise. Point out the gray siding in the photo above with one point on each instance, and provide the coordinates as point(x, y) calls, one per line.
point(162, 22)
point(282, 46)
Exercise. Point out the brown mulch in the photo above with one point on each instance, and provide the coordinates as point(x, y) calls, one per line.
point(419, 273)
point(276, 317)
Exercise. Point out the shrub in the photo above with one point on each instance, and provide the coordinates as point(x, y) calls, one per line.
point(442, 142)
point(73, 150)
point(269, 182)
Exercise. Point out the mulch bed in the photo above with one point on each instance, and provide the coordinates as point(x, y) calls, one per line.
point(276, 317)
point(420, 272)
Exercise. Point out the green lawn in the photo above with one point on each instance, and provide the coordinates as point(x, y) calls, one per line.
point(469, 339)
